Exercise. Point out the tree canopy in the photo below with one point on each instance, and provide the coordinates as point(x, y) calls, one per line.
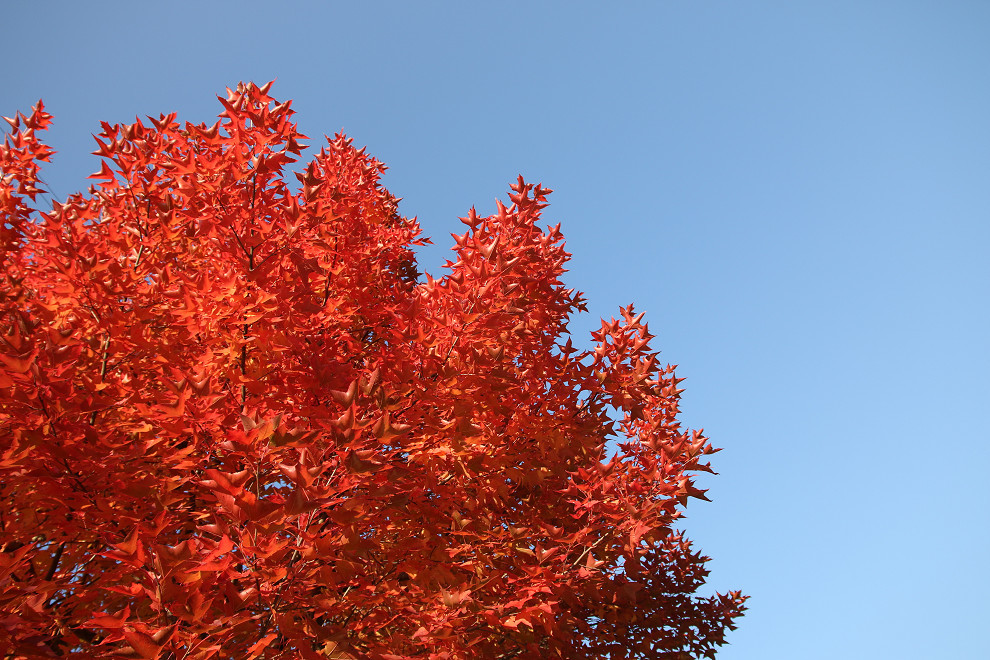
point(236, 421)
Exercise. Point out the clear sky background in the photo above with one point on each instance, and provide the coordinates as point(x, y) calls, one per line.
point(797, 194)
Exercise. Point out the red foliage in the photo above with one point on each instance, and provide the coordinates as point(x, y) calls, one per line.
point(236, 422)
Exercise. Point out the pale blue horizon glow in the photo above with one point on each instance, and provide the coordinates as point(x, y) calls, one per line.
point(796, 194)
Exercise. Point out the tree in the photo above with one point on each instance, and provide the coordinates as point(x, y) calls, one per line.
point(236, 422)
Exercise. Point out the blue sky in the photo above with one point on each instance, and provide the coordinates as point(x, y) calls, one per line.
point(797, 194)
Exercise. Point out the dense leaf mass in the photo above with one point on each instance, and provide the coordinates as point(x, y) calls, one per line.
point(236, 422)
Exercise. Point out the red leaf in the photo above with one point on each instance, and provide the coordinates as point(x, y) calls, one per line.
point(143, 644)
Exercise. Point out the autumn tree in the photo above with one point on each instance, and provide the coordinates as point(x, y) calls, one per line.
point(237, 422)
